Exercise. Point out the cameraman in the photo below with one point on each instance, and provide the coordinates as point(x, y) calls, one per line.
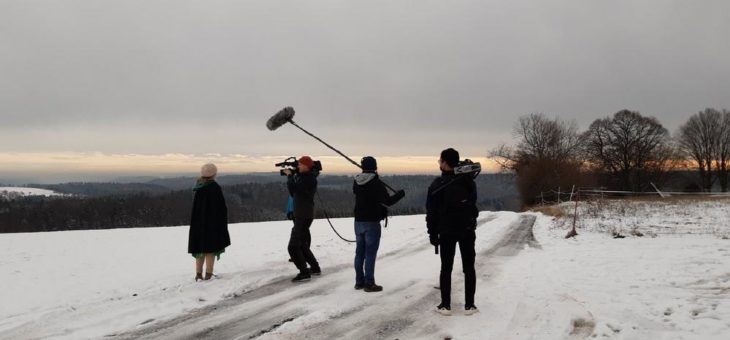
point(302, 186)
point(451, 219)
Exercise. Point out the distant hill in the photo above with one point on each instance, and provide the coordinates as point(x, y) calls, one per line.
point(9, 193)
point(104, 189)
point(250, 198)
point(182, 183)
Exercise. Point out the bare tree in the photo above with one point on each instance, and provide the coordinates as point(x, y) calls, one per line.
point(540, 138)
point(545, 157)
point(543, 138)
point(630, 147)
point(723, 151)
point(701, 140)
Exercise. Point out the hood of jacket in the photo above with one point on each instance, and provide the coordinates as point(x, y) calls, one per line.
point(365, 178)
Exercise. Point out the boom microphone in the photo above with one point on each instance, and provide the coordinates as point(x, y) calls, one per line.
point(280, 118)
point(285, 116)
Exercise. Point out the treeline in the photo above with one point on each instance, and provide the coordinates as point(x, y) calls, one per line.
point(247, 202)
point(151, 185)
point(626, 151)
point(104, 189)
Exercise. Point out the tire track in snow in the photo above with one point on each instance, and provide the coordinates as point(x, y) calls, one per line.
point(262, 292)
point(519, 234)
point(262, 312)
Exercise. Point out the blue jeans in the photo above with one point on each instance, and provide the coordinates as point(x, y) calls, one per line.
point(367, 235)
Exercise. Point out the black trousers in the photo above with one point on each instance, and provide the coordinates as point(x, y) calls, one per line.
point(468, 254)
point(299, 243)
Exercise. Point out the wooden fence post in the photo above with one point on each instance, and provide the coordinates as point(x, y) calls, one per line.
point(573, 232)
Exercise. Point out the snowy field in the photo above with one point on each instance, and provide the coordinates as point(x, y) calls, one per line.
point(138, 283)
point(669, 278)
point(21, 191)
point(651, 216)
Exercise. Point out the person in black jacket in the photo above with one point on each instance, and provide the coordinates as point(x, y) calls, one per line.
point(371, 202)
point(302, 187)
point(208, 236)
point(451, 219)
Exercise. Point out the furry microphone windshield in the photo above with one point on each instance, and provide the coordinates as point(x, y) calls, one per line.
point(280, 118)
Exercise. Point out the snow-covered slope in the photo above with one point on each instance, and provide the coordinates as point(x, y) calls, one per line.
point(138, 283)
point(21, 191)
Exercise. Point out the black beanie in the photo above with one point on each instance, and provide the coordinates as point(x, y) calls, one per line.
point(369, 163)
point(450, 156)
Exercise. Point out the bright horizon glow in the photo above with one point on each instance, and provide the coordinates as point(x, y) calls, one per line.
point(100, 164)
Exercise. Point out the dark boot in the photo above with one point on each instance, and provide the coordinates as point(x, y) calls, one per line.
point(315, 271)
point(198, 277)
point(208, 276)
point(302, 277)
point(372, 287)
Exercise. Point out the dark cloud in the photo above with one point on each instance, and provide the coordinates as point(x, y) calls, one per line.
point(407, 77)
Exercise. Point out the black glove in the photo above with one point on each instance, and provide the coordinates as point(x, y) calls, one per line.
point(399, 195)
point(434, 239)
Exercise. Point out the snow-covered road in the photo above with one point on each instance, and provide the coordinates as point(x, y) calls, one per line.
point(329, 308)
point(532, 283)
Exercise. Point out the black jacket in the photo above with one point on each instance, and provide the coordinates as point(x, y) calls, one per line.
point(302, 187)
point(371, 198)
point(451, 208)
point(209, 221)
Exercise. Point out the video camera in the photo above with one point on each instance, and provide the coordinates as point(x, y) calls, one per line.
point(292, 164)
point(468, 167)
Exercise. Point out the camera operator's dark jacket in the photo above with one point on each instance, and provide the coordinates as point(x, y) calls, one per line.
point(302, 187)
point(452, 209)
point(209, 220)
point(371, 198)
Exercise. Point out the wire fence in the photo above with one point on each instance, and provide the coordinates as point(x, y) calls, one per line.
point(560, 195)
point(598, 201)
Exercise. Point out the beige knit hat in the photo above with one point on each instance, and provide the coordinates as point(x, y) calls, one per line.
point(209, 170)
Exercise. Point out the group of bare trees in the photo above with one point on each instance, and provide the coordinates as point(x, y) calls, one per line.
point(705, 140)
point(546, 157)
point(626, 151)
point(631, 149)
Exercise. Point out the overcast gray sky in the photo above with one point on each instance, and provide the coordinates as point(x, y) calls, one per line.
point(388, 78)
